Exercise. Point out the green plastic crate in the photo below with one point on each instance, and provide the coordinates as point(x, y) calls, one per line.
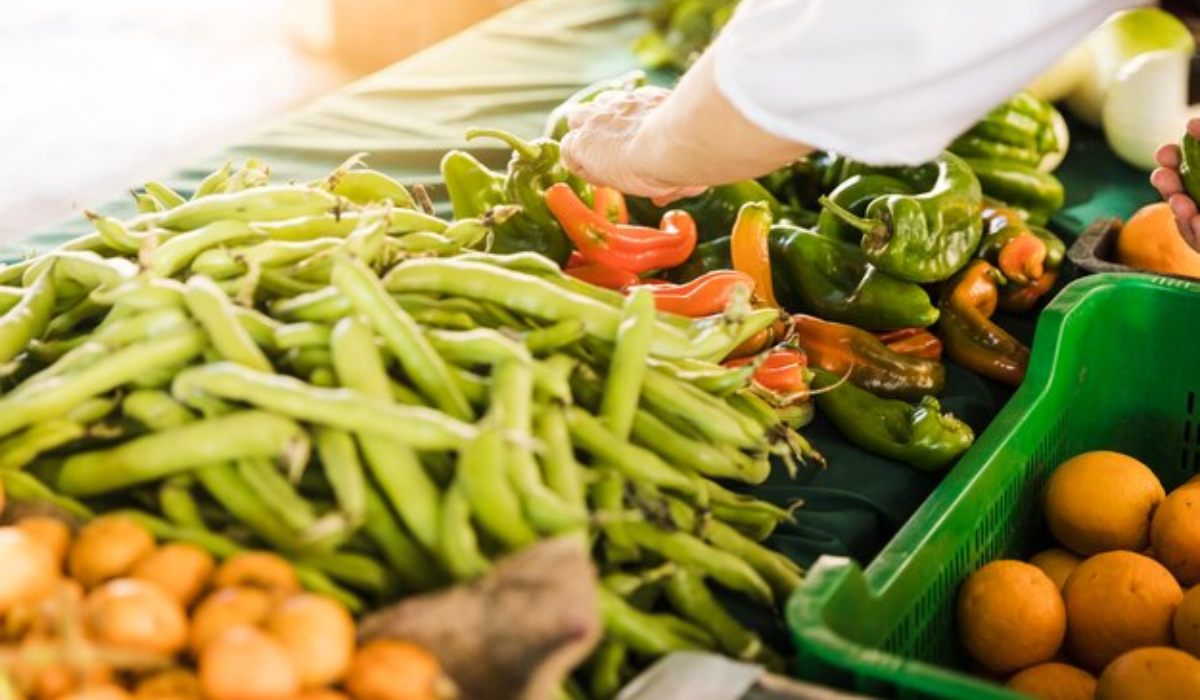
point(1114, 366)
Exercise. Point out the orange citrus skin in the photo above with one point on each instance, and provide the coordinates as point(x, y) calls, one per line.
point(1010, 616)
point(1102, 501)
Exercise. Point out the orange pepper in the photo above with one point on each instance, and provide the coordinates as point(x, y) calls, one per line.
point(782, 371)
point(914, 342)
point(748, 246)
point(604, 276)
point(610, 204)
point(633, 248)
point(706, 295)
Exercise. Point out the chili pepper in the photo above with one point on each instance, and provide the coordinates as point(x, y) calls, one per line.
point(610, 204)
point(706, 295)
point(1014, 299)
point(833, 280)
point(854, 194)
point(714, 211)
point(534, 166)
point(970, 337)
point(556, 123)
point(472, 187)
point(750, 249)
point(767, 337)
point(782, 371)
point(920, 435)
point(923, 237)
point(1031, 269)
point(1189, 164)
point(847, 350)
point(605, 276)
point(914, 342)
point(632, 248)
point(1021, 186)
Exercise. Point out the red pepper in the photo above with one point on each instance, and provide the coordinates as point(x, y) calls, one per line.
point(914, 342)
point(706, 295)
point(782, 371)
point(575, 260)
point(1014, 299)
point(763, 339)
point(610, 204)
point(1022, 258)
point(604, 276)
point(633, 248)
point(749, 248)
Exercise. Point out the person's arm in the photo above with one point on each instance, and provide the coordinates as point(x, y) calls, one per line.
point(1166, 180)
point(672, 144)
point(879, 81)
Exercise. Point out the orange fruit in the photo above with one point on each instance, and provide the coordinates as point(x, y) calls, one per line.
point(1010, 616)
point(1150, 673)
point(1175, 533)
point(1187, 622)
point(1057, 564)
point(1101, 501)
point(1150, 240)
point(1054, 681)
point(1118, 601)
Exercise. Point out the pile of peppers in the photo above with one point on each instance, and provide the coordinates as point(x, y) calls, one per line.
point(877, 272)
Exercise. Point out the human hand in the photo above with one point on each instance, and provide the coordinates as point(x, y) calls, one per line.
point(1169, 184)
point(607, 145)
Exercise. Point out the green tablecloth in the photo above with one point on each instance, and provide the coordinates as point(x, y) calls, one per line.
point(509, 72)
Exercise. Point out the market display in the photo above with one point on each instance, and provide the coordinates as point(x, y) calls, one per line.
point(1111, 600)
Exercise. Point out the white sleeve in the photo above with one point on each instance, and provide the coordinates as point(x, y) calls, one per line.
point(889, 81)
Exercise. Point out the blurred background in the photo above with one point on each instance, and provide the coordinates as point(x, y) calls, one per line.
point(100, 95)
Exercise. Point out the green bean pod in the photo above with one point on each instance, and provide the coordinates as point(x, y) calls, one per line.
point(21, 486)
point(643, 632)
point(344, 471)
point(302, 335)
point(29, 318)
point(607, 666)
point(22, 449)
point(177, 504)
point(627, 369)
point(394, 465)
point(783, 575)
point(459, 548)
point(357, 570)
point(214, 182)
point(550, 339)
point(409, 562)
point(271, 203)
point(215, 313)
point(276, 491)
point(166, 197)
point(691, 598)
point(237, 435)
point(155, 410)
point(427, 370)
point(484, 480)
point(691, 551)
point(417, 427)
point(635, 463)
point(114, 234)
point(227, 487)
point(563, 474)
point(59, 395)
point(178, 252)
point(342, 224)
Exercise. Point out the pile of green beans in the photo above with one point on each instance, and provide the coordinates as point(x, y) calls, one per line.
point(325, 371)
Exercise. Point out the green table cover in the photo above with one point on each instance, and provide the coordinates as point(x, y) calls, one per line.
point(509, 72)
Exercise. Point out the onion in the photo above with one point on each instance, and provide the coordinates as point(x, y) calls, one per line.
point(180, 569)
point(259, 570)
point(53, 533)
point(135, 615)
point(1147, 106)
point(317, 633)
point(244, 663)
point(225, 608)
point(107, 548)
point(28, 571)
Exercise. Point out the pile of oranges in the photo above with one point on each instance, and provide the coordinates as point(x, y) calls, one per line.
point(1113, 613)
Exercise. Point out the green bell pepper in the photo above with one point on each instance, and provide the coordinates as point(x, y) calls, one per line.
point(919, 435)
point(556, 124)
point(1022, 130)
point(829, 278)
point(1034, 192)
point(1189, 165)
point(534, 167)
point(854, 194)
point(923, 237)
point(714, 210)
